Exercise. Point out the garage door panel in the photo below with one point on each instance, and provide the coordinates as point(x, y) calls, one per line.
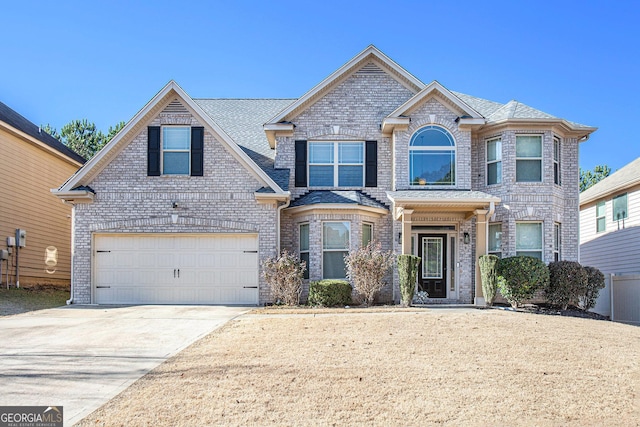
point(213, 269)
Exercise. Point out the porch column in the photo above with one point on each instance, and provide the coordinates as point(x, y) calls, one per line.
point(406, 231)
point(481, 249)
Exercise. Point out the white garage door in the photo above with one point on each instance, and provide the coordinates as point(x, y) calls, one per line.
point(176, 269)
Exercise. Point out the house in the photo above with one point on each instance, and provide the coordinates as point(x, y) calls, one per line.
point(610, 233)
point(192, 195)
point(31, 162)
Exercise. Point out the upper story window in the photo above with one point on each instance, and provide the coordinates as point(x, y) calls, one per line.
point(601, 218)
point(336, 164)
point(494, 161)
point(176, 150)
point(529, 239)
point(620, 210)
point(557, 170)
point(432, 157)
point(529, 158)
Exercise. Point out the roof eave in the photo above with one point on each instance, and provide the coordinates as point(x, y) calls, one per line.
point(391, 124)
point(74, 196)
point(604, 193)
point(582, 132)
point(336, 206)
point(274, 130)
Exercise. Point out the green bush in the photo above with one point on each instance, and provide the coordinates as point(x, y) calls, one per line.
point(407, 272)
point(523, 276)
point(589, 294)
point(489, 277)
point(566, 280)
point(329, 293)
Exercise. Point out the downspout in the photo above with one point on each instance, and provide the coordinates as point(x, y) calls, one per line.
point(285, 205)
point(73, 248)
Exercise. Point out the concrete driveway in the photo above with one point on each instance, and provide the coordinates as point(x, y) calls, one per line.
point(79, 357)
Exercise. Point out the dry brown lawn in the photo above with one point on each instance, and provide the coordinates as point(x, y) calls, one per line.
point(426, 367)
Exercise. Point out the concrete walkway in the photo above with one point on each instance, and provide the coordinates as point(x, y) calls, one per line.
point(79, 357)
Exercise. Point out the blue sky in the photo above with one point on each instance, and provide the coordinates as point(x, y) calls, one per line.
point(103, 60)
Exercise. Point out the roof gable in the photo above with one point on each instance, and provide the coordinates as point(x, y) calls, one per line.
point(18, 122)
point(371, 55)
point(166, 98)
point(622, 179)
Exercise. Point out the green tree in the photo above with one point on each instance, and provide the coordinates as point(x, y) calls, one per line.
point(113, 131)
point(82, 136)
point(51, 131)
point(589, 178)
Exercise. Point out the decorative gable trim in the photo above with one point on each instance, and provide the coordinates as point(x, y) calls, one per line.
point(164, 99)
point(369, 60)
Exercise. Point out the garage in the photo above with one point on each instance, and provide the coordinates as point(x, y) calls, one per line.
point(175, 269)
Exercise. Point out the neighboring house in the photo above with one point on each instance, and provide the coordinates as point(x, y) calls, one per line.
point(31, 163)
point(192, 195)
point(610, 226)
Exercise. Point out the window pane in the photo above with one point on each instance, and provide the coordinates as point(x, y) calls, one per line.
point(528, 171)
point(350, 176)
point(494, 150)
point(495, 237)
point(321, 152)
point(535, 254)
point(432, 136)
point(320, 176)
point(600, 209)
point(432, 252)
point(556, 150)
point(432, 167)
point(494, 173)
point(528, 236)
point(601, 224)
point(335, 235)
point(620, 207)
point(176, 138)
point(304, 237)
point(333, 266)
point(350, 153)
point(529, 146)
point(175, 163)
point(305, 257)
point(367, 230)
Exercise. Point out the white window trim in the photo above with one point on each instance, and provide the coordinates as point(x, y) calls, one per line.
point(604, 215)
point(541, 158)
point(488, 162)
point(541, 238)
point(557, 241)
point(336, 163)
point(365, 224)
point(334, 250)
point(307, 251)
point(613, 207)
point(489, 251)
point(454, 148)
point(162, 150)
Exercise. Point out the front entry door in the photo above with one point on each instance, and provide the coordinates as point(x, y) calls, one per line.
point(432, 273)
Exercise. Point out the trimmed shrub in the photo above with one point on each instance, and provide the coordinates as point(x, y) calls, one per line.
point(366, 267)
point(588, 295)
point(329, 293)
point(523, 276)
point(284, 276)
point(489, 277)
point(407, 272)
point(566, 280)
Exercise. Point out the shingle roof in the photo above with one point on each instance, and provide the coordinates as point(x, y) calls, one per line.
point(17, 121)
point(453, 195)
point(337, 197)
point(621, 179)
point(242, 120)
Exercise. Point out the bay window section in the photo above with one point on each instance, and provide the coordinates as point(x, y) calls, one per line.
point(529, 158)
point(432, 157)
point(335, 245)
point(304, 248)
point(495, 240)
point(557, 241)
point(529, 239)
point(494, 161)
point(367, 233)
point(557, 171)
point(336, 164)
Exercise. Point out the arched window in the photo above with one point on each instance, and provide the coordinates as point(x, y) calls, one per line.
point(432, 157)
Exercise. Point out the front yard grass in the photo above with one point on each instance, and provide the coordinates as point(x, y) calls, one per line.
point(409, 368)
point(21, 300)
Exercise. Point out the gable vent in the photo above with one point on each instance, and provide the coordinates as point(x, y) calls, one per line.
point(175, 107)
point(370, 68)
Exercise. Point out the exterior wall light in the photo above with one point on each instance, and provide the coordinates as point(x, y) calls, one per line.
point(466, 238)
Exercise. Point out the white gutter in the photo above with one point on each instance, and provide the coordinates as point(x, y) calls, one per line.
point(278, 210)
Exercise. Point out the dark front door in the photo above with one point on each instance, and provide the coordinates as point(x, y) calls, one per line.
point(432, 272)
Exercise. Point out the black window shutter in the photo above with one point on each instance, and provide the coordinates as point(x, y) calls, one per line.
point(153, 151)
point(301, 164)
point(371, 164)
point(197, 151)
